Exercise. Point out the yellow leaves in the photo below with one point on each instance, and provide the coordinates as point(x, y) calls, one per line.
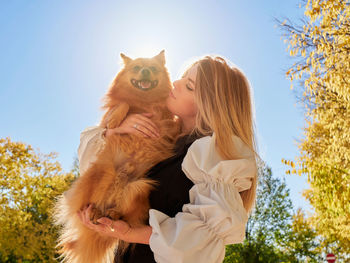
point(288, 162)
point(29, 185)
point(325, 150)
point(292, 165)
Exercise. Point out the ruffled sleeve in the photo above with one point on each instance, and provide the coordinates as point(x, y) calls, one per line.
point(215, 215)
point(91, 142)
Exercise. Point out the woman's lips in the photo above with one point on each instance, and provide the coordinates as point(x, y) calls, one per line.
point(172, 95)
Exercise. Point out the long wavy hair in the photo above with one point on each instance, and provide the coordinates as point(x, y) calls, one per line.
point(225, 106)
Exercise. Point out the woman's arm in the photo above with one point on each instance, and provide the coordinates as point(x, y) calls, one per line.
point(215, 215)
point(117, 229)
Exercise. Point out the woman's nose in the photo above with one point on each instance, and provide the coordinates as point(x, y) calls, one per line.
point(175, 84)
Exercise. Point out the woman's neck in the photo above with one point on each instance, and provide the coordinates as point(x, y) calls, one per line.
point(187, 125)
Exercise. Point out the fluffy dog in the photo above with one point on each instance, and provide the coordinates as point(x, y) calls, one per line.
point(116, 182)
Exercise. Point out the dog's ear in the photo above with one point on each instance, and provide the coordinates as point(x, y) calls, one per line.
point(126, 59)
point(160, 57)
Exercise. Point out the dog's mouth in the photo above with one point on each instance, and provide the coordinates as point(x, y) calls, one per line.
point(144, 84)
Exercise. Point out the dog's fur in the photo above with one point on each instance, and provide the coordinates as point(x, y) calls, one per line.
point(116, 183)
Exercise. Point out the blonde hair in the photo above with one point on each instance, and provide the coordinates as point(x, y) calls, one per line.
point(224, 100)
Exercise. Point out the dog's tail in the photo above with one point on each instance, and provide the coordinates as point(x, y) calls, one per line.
point(90, 247)
point(77, 243)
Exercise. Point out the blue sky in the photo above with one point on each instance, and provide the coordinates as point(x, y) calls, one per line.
point(59, 57)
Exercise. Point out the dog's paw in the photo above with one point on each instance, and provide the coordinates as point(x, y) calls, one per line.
point(113, 214)
point(95, 214)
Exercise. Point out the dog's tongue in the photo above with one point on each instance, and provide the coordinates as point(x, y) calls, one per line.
point(145, 84)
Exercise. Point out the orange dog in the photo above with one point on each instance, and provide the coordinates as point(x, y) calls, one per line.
point(115, 183)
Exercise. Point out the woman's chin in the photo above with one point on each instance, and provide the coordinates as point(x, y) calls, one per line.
point(168, 104)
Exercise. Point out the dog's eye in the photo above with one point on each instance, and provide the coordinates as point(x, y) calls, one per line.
point(154, 69)
point(136, 68)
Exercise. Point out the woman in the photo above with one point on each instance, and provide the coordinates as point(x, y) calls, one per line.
point(207, 190)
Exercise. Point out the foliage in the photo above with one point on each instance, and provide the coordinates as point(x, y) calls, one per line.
point(321, 49)
point(29, 182)
point(302, 241)
point(273, 210)
point(273, 234)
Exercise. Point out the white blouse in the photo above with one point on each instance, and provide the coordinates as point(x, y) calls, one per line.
point(215, 216)
point(91, 142)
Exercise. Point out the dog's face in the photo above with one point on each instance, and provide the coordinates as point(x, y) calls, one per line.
point(143, 79)
point(143, 74)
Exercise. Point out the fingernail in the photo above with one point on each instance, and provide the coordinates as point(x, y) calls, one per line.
point(102, 221)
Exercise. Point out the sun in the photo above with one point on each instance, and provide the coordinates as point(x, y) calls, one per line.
point(146, 50)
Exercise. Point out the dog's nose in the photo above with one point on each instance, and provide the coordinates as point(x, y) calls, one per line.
point(145, 72)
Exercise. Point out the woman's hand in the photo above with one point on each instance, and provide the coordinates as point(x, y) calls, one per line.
point(138, 124)
point(117, 229)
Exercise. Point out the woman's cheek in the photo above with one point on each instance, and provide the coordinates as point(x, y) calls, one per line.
point(187, 109)
point(191, 108)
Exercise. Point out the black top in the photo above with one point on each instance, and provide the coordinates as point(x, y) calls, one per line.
point(169, 196)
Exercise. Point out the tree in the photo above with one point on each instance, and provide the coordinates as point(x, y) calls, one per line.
point(303, 241)
point(321, 49)
point(270, 230)
point(29, 183)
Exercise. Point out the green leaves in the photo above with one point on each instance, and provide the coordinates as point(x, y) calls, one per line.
point(273, 233)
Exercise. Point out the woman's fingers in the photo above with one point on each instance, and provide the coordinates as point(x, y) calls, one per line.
point(148, 114)
point(116, 229)
point(84, 216)
point(80, 216)
point(145, 127)
point(141, 129)
point(138, 124)
point(106, 223)
point(149, 122)
point(141, 125)
point(120, 227)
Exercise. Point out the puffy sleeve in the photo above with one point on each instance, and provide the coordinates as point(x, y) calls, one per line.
point(215, 215)
point(91, 142)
